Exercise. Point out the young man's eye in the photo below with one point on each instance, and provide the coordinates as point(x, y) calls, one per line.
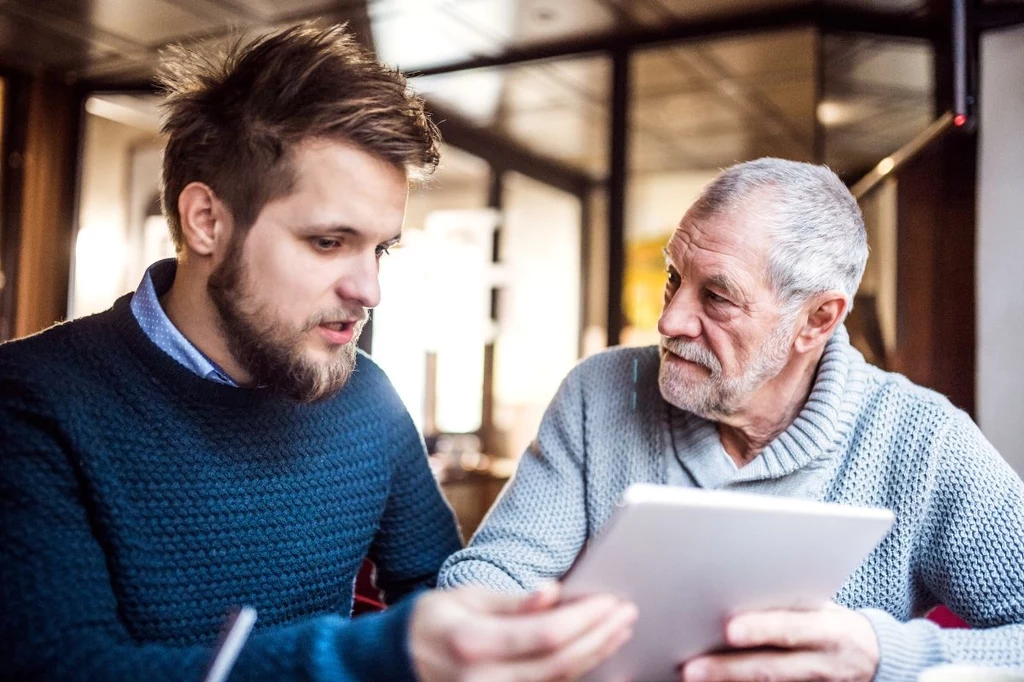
point(383, 250)
point(325, 243)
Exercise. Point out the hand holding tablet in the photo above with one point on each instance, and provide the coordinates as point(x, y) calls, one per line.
point(690, 558)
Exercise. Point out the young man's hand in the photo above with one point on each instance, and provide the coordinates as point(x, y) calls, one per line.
point(471, 634)
point(832, 643)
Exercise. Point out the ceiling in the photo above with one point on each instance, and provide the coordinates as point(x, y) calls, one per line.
point(120, 39)
point(710, 104)
point(695, 105)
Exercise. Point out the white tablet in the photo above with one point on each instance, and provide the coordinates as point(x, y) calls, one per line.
point(690, 558)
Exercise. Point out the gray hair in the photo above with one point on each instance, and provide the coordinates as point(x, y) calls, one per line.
point(818, 239)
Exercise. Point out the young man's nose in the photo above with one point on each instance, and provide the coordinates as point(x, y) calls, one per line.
point(360, 282)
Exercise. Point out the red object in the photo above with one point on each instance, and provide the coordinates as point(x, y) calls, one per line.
point(945, 618)
point(367, 597)
point(959, 120)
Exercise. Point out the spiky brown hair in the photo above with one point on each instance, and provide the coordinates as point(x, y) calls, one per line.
point(232, 121)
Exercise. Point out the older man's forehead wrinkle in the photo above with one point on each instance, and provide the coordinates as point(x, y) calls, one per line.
point(683, 250)
point(690, 234)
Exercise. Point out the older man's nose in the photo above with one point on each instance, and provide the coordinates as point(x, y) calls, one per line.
point(680, 317)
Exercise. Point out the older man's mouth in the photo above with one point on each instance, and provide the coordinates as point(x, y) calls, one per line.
point(679, 360)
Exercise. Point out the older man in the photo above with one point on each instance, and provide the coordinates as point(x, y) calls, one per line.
point(755, 387)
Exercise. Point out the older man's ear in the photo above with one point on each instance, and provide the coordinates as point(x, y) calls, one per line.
point(824, 313)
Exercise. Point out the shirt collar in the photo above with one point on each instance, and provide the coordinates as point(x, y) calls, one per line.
point(149, 313)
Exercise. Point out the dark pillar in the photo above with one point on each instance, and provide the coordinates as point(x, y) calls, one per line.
point(617, 179)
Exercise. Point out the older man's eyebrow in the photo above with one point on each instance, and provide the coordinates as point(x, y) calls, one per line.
point(669, 262)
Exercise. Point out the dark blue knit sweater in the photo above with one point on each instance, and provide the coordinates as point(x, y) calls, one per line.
point(142, 502)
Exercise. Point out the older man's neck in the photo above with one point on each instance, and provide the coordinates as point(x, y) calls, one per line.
point(769, 411)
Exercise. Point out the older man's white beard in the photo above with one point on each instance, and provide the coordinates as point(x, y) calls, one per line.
point(718, 396)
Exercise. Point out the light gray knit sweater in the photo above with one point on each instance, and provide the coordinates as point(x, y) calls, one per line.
point(865, 437)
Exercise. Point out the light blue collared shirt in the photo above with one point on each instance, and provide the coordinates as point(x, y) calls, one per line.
point(158, 327)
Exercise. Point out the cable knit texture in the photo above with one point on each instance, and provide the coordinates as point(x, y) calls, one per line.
point(141, 503)
point(864, 437)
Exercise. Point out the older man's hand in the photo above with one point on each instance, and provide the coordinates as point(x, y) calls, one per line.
point(832, 643)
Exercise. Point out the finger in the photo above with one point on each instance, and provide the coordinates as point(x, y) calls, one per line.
point(784, 629)
point(779, 666)
point(486, 601)
point(544, 597)
point(578, 657)
point(531, 635)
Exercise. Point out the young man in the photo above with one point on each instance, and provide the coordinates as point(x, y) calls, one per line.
point(755, 387)
point(215, 440)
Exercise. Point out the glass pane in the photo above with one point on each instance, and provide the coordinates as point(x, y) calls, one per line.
point(878, 95)
point(539, 306)
point(557, 109)
point(410, 333)
point(872, 322)
point(662, 11)
point(417, 34)
point(120, 228)
point(710, 104)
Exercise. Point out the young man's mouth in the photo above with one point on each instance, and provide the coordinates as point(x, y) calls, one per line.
point(338, 332)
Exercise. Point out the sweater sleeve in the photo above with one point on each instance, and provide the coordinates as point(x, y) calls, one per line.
point(60, 616)
point(970, 556)
point(538, 525)
point(417, 531)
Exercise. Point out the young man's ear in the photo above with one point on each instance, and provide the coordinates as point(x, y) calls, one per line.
point(825, 313)
point(204, 222)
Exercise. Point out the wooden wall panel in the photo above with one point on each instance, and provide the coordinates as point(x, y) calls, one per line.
point(936, 338)
point(47, 206)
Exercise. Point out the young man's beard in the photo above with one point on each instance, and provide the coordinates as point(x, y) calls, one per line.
point(268, 350)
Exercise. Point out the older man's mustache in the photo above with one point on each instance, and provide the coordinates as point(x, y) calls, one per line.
point(693, 352)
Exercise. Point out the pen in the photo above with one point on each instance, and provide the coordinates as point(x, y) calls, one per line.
point(236, 631)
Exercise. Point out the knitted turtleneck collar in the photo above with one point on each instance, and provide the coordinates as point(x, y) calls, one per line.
point(822, 424)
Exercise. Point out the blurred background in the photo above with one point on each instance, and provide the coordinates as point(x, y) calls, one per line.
point(577, 133)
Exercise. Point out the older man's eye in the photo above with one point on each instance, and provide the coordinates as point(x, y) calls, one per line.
point(673, 278)
point(715, 298)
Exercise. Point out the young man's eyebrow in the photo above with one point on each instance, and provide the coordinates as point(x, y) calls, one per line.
point(346, 230)
point(330, 228)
